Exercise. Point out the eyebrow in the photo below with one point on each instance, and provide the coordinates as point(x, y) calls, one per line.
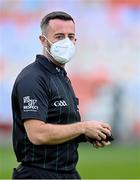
point(61, 34)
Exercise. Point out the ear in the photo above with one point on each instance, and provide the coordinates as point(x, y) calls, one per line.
point(42, 39)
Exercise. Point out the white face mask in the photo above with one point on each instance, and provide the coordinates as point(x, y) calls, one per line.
point(62, 51)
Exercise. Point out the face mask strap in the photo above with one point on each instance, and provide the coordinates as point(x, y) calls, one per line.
point(47, 39)
point(48, 51)
point(46, 47)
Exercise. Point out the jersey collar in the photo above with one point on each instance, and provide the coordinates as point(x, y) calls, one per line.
point(50, 66)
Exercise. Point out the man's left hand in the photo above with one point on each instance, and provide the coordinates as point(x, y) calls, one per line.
point(101, 144)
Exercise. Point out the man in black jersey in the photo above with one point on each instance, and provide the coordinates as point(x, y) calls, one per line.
point(46, 122)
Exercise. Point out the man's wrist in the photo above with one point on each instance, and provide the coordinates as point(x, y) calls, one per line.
point(81, 127)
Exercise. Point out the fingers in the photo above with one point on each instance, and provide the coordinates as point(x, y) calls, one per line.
point(102, 135)
point(106, 131)
point(97, 130)
point(98, 144)
point(101, 144)
point(106, 125)
point(105, 143)
point(98, 137)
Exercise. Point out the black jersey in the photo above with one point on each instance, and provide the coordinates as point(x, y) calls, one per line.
point(43, 91)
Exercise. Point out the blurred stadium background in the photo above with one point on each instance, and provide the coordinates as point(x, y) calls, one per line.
point(105, 74)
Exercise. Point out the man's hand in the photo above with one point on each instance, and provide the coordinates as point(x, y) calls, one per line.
point(97, 130)
point(101, 144)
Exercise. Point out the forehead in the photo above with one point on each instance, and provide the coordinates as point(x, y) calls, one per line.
point(61, 26)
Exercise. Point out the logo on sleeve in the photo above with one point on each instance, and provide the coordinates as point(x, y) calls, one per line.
point(29, 104)
point(60, 103)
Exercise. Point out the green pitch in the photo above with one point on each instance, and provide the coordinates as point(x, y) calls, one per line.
point(114, 162)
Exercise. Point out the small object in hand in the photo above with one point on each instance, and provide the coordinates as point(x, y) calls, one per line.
point(109, 138)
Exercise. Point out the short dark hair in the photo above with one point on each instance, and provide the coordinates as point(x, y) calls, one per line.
point(54, 15)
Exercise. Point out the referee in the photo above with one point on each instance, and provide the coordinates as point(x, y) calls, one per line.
point(46, 122)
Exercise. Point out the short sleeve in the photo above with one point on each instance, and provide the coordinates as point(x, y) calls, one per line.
point(32, 95)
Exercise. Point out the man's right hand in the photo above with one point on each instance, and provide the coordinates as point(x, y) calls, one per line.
point(97, 130)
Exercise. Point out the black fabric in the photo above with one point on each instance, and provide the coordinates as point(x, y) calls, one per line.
point(43, 91)
point(27, 172)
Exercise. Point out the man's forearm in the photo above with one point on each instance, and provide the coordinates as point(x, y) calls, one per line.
point(45, 133)
point(57, 134)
